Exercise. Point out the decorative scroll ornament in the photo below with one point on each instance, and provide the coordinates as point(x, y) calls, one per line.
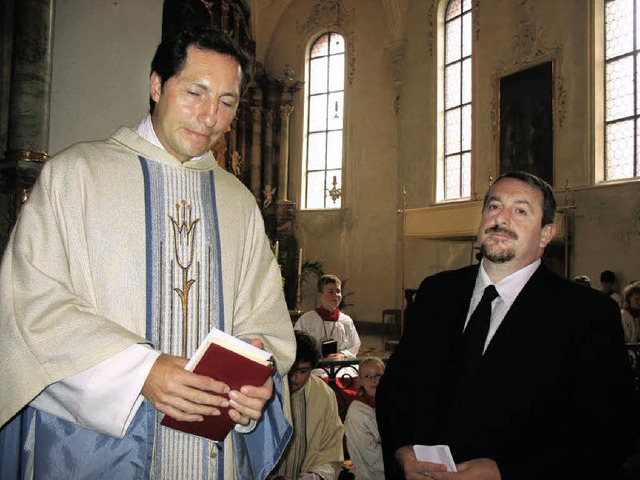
point(335, 193)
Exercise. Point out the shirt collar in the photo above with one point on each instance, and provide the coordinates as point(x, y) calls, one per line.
point(145, 130)
point(509, 287)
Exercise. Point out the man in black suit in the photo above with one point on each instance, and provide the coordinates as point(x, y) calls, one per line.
point(551, 394)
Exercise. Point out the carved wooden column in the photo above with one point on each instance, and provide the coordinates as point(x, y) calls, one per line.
point(233, 135)
point(267, 180)
point(256, 132)
point(283, 164)
point(287, 87)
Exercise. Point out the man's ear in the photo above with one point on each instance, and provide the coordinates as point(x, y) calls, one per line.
point(548, 232)
point(155, 86)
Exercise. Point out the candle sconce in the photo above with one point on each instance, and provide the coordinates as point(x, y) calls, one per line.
point(335, 193)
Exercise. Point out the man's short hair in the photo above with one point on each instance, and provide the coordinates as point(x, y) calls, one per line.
point(307, 350)
point(326, 280)
point(608, 276)
point(171, 54)
point(548, 198)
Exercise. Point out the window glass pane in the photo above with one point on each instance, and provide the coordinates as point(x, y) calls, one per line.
point(618, 27)
point(637, 82)
point(337, 44)
point(466, 128)
point(336, 78)
point(454, 8)
point(335, 111)
point(619, 89)
point(334, 150)
point(318, 75)
point(317, 151)
point(320, 47)
point(452, 176)
point(317, 113)
point(466, 81)
point(637, 145)
point(466, 175)
point(315, 189)
point(637, 25)
point(452, 131)
point(452, 49)
point(466, 35)
point(619, 146)
point(452, 86)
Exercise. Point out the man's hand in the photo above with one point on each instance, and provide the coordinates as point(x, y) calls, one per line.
point(413, 469)
point(181, 394)
point(248, 403)
point(477, 469)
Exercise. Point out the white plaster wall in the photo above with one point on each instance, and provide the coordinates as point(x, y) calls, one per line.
point(606, 226)
point(102, 54)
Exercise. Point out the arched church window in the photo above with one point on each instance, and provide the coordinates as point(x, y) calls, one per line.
point(621, 89)
point(454, 172)
point(324, 115)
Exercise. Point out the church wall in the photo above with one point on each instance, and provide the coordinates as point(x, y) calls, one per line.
point(101, 64)
point(102, 53)
point(512, 36)
point(359, 242)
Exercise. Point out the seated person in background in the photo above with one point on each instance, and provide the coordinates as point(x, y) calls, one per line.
point(361, 427)
point(315, 448)
point(582, 280)
point(630, 313)
point(607, 282)
point(326, 324)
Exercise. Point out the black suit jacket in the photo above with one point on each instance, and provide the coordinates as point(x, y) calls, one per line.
point(553, 394)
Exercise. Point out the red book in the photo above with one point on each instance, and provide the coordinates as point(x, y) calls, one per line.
point(229, 360)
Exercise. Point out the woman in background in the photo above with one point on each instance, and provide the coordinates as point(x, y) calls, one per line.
point(361, 428)
point(630, 313)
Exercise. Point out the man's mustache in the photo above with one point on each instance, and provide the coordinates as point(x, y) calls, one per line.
point(499, 229)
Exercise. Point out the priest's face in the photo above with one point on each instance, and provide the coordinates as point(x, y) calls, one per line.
point(330, 297)
point(511, 229)
point(195, 107)
point(299, 375)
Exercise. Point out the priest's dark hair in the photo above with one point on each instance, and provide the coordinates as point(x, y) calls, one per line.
point(307, 350)
point(171, 54)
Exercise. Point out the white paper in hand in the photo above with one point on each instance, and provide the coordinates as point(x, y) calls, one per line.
point(435, 454)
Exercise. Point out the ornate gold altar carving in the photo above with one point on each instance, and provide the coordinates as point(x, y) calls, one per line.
point(27, 156)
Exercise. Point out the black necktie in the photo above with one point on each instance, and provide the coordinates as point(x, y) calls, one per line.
point(475, 335)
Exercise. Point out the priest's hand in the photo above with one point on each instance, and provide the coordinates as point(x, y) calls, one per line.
point(181, 394)
point(248, 403)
